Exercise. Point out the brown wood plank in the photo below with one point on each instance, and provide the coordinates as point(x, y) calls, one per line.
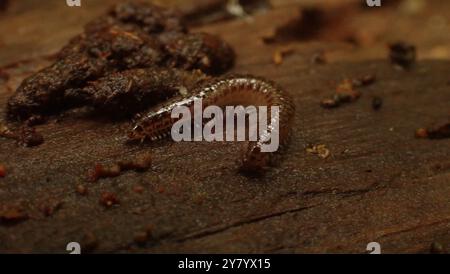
point(379, 184)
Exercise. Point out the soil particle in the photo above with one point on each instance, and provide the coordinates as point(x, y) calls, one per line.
point(345, 93)
point(29, 137)
point(321, 150)
point(5, 132)
point(12, 214)
point(440, 132)
point(82, 190)
point(140, 238)
point(279, 54)
point(109, 199)
point(202, 51)
point(365, 80)
point(140, 163)
point(35, 120)
point(402, 54)
point(377, 103)
point(330, 103)
point(138, 189)
point(101, 171)
point(421, 133)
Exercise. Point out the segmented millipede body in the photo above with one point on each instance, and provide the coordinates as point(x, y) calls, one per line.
point(227, 91)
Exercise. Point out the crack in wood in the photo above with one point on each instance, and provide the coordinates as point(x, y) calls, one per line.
point(413, 228)
point(221, 229)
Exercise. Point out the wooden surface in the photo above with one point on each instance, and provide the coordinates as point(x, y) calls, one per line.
point(379, 184)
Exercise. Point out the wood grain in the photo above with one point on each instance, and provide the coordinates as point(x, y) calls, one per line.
point(379, 184)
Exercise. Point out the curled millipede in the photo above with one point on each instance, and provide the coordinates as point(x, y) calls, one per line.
point(227, 91)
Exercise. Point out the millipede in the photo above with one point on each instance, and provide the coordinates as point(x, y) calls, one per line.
point(226, 91)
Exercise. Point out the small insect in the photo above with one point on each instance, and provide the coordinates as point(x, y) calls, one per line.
point(232, 90)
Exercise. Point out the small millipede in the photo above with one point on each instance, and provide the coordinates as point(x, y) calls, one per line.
point(232, 90)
